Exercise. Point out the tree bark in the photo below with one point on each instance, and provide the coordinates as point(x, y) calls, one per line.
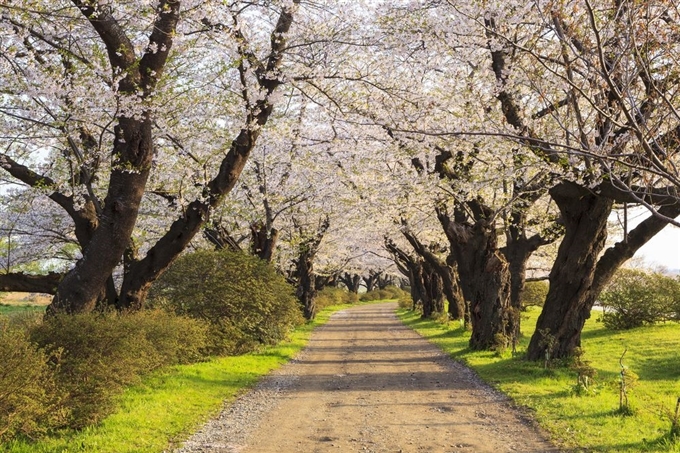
point(144, 272)
point(20, 282)
point(263, 241)
point(446, 272)
point(483, 272)
point(578, 277)
point(351, 281)
point(303, 275)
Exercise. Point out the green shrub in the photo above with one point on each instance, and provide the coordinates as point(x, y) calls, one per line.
point(534, 294)
point(242, 297)
point(26, 384)
point(389, 293)
point(334, 296)
point(96, 355)
point(635, 298)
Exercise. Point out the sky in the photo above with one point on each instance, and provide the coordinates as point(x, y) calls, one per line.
point(662, 250)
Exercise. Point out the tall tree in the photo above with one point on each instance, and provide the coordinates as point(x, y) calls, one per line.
point(91, 47)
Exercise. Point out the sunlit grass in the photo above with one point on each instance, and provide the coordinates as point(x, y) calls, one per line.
point(162, 411)
point(589, 422)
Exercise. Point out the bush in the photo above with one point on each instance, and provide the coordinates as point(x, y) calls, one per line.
point(334, 296)
point(242, 297)
point(635, 298)
point(95, 355)
point(26, 384)
point(389, 293)
point(534, 294)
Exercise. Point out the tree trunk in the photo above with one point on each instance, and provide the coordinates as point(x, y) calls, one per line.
point(371, 280)
point(578, 277)
point(446, 272)
point(483, 272)
point(144, 272)
point(433, 302)
point(263, 241)
point(304, 268)
point(569, 300)
point(351, 281)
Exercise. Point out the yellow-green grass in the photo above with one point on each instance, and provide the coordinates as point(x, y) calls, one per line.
point(167, 406)
point(11, 303)
point(584, 421)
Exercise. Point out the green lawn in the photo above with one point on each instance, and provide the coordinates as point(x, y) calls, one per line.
point(584, 422)
point(169, 405)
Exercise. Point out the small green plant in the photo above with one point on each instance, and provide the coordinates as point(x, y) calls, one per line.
point(627, 380)
point(547, 343)
point(585, 373)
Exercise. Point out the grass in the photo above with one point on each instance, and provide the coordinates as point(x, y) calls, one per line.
point(169, 405)
point(584, 420)
point(12, 303)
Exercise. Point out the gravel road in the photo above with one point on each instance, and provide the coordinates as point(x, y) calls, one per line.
point(367, 383)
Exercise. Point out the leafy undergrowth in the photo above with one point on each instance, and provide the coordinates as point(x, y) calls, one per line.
point(579, 419)
point(170, 404)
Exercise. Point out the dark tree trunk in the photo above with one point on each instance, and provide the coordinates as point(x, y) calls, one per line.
point(133, 152)
point(517, 252)
point(569, 299)
point(483, 272)
point(384, 281)
point(20, 282)
point(578, 277)
point(411, 268)
point(433, 302)
point(306, 285)
point(304, 269)
point(144, 272)
point(351, 281)
point(371, 280)
point(447, 275)
point(263, 241)
point(325, 281)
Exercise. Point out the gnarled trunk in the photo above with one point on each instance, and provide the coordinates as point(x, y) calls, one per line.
point(578, 277)
point(351, 281)
point(483, 272)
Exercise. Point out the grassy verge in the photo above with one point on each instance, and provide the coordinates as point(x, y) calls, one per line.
point(167, 406)
point(577, 419)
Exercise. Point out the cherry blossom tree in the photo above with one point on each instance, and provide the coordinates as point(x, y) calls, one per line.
point(98, 88)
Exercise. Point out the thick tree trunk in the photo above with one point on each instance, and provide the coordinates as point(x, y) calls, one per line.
point(351, 281)
point(447, 274)
point(371, 280)
point(517, 252)
point(263, 241)
point(433, 302)
point(306, 286)
point(570, 298)
point(20, 282)
point(144, 272)
point(304, 268)
point(577, 277)
point(483, 272)
point(81, 287)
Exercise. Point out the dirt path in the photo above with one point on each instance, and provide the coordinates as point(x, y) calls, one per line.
point(366, 383)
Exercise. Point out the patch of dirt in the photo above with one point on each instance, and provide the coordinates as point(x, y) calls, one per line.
point(367, 383)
